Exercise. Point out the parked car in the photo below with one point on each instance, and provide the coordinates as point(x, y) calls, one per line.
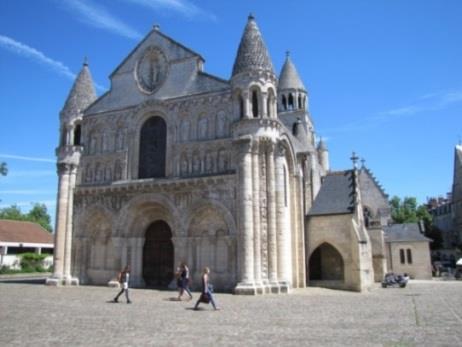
point(395, 280)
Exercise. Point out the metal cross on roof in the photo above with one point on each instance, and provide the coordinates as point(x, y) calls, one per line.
point(354, 158)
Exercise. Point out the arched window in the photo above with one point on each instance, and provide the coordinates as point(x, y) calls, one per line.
point(409, 256)
point(401, 256)
point(284, 103)
point(153, 139)
point(254, 104)
point(291, 101)
point(299, 101)
point(77, 135)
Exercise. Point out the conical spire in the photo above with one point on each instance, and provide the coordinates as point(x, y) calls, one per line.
point(252, 53)
point(322, 145)
point(289, 78)
point(82, 93)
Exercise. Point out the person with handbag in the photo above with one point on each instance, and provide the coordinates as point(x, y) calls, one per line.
point(123, 278)
point(207, 291)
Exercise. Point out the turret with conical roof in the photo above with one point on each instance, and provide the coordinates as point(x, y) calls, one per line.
point(291, 90)
point(82, 93)
point(253, 79)
point(323, 155)
point(69, 151)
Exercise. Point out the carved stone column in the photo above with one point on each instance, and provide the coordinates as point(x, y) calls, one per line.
point(246, 102)
point(245, 219)
point(256, 215)
point(60, 232)
point(69, 228)
point(264, 105)
point(272, 249)
point(282, 227)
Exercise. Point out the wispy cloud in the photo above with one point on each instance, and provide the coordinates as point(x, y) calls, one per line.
point(27, 192)
point(35, 55)
point(31, 173)
point(20, 157)
point(435, 101)
point(183, 7)
point(98, 17)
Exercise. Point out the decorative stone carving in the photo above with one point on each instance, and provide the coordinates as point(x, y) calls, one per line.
point(151, 70)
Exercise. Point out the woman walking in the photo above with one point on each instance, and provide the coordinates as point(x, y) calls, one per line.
point(206, 295)
point(183, 281)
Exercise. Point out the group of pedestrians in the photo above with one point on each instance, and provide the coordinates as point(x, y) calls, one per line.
point(183, 284)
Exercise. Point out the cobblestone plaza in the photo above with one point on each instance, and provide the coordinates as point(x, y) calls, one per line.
point(423, 314)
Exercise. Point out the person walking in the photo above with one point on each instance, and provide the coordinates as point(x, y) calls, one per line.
point(183, 281)
point(124, 278)
point(207, 291)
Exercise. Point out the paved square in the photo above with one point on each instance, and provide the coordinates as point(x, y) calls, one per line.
point(424, 314)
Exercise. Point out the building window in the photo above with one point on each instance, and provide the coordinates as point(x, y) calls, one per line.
point(299, 101)
point(291, 102)
point(77, 135)
point(409, 256)
point(401, 256)
point(255, 104)
point(284, 103)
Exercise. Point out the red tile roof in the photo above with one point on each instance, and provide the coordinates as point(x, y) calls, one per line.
point(26, 232)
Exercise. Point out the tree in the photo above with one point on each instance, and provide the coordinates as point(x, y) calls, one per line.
point(38, 214)
point(3, 169)
point(407, 211)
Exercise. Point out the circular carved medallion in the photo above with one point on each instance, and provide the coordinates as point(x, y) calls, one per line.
point(151, 70)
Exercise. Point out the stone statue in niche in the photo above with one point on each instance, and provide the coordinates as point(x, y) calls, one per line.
point(196, 163)
point(209, 163)
point(117, 171)
point(221, 124)
point(222, 161)
point(98, 172)
point(119, 140)
point(184, 130)
point(203, 126)
point(184, 166)
point(88, 173)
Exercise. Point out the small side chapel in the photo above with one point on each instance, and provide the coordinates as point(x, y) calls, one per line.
point(173, 164)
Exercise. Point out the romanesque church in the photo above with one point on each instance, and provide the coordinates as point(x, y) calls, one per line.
point(173, 164)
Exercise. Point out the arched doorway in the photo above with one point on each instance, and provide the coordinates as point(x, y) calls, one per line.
point(326, 264)
point(153, 139)
point(158, 255)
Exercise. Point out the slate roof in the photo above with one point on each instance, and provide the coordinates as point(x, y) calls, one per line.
point(289, 77)
point(82, 93)
point(23, 232)
point(252, 53)
point(336, 196)
point(404, 232)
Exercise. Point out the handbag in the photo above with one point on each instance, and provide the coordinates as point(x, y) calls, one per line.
point(205, 298)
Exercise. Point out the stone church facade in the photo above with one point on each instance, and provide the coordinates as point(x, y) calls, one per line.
point(173, 164)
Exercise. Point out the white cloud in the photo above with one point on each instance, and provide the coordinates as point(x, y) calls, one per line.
point(99, 17)
point(20, 157)
point(184, 7)
point(27, 192)
point(35, 55)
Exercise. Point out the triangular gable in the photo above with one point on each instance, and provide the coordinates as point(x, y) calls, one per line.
point(155, 37)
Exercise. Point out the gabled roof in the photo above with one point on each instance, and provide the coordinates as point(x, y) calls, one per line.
point(155, 31)
point(252, 53)
point(82, 93)
point(365, 171)
point(23, 232)
point(289, 77)
point(336, 196)
point(404, 232)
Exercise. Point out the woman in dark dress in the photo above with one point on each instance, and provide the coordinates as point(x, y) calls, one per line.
point(206, 294)
point(183, 281)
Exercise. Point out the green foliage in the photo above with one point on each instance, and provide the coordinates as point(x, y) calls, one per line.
point(407, 211)
point(32, 262)
point(38, 214)
point(3, 169)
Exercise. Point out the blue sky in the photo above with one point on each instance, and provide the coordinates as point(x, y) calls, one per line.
point(384, 77)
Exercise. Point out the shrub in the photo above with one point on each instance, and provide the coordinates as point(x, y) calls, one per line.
point(32, 262)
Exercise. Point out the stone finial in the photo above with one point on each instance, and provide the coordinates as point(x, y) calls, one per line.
point(363, 161)
point(156, 27)
point(251, 16)
point(85, 61)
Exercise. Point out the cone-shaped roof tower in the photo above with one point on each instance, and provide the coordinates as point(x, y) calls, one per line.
point(252, 54)
point(82, 93)
point(289, 78)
